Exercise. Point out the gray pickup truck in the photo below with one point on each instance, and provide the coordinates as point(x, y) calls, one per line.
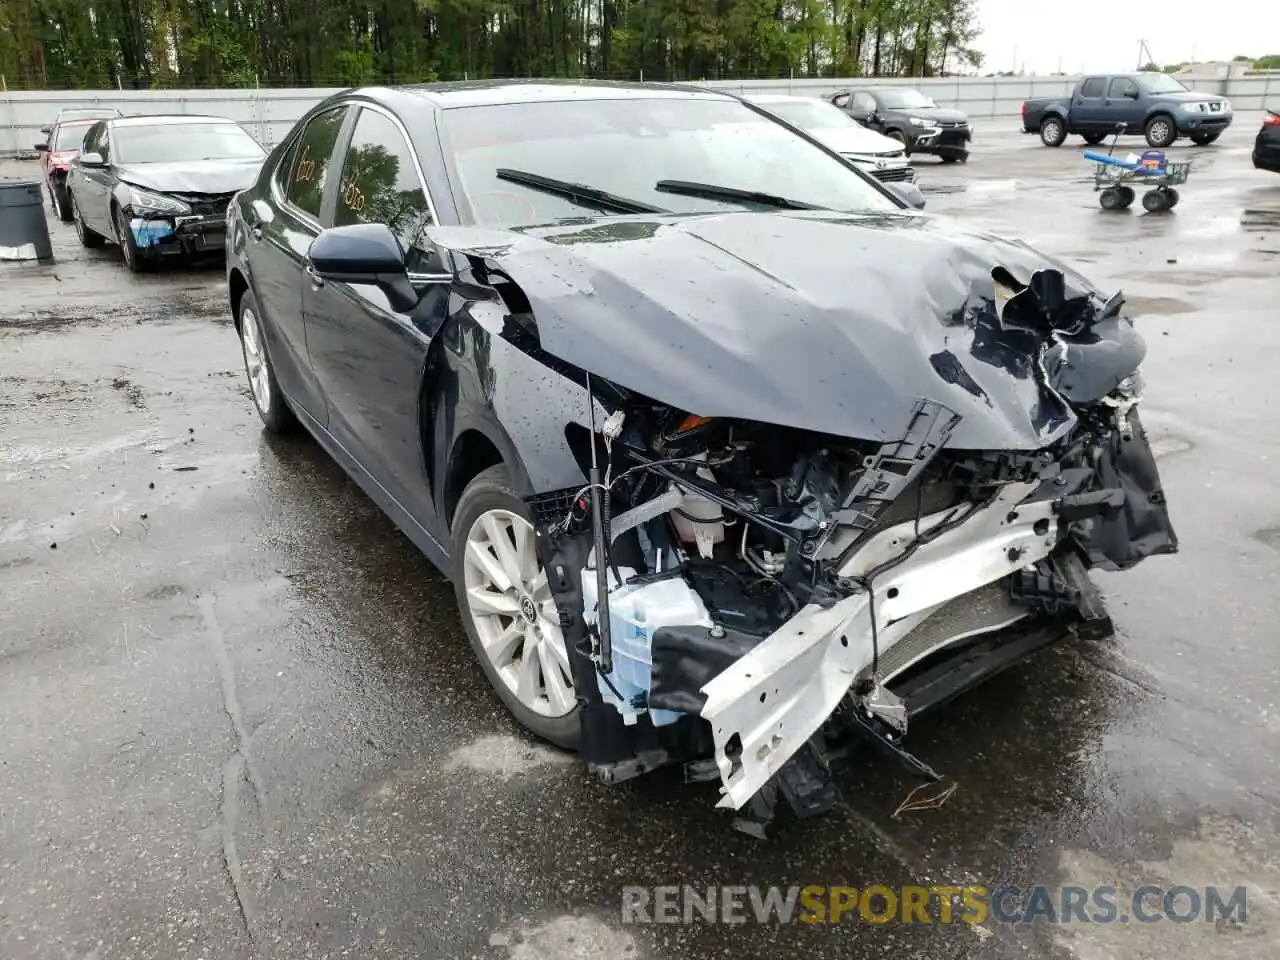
point(1154, 105)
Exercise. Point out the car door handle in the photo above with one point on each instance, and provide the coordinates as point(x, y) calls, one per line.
point(317, 281)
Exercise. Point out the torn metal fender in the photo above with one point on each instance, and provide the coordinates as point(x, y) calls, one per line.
point(776, 697)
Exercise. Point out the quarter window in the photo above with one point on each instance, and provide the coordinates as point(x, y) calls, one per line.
point(310, 166)
point(1093, 87)
point(380, 183)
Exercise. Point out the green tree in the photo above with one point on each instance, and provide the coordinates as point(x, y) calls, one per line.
point(238, 43)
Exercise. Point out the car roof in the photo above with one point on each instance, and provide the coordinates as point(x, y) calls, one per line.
point(87, 113)
point(165, 119)
point(764, 98)
point(475, 93)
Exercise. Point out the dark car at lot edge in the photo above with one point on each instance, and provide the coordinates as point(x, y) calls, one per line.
point(720, 443)
point(1154, 105)
point(159, 186)
point(1266, 146)
point(60, 147)
point(911, 118)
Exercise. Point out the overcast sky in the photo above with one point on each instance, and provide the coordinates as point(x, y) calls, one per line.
point(1104, 36)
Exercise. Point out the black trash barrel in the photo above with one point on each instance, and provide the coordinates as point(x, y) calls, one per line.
point(24, 231)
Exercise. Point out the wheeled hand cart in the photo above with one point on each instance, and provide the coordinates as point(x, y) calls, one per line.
point(1114, 179)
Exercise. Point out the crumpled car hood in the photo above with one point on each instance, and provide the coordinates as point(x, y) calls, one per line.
point(204, 176)
point(823, 321)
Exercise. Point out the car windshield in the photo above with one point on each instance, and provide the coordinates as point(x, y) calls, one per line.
point(182, 142)
point(69, 136)
point(809, 116)
point(627, 147)
point(1160, 83)
point(904, 100)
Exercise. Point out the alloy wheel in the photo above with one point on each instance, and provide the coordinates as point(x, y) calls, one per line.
point(510, 604)
point(255, 360)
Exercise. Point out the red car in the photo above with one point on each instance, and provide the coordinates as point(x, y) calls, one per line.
point(62, 147)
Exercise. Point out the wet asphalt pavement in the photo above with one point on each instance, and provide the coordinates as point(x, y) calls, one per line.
point(239, 717)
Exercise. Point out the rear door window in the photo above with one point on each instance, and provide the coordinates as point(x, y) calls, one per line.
point(864, 103)
point(309, 169)
point(1093, 87)
point(380, 184)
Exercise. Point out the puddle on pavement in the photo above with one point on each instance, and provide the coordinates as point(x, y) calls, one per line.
point(1156, 306)
point(1260, 220)
point(1222, 853)
point(505, 756)
point(568, 938)
point(1270, 536)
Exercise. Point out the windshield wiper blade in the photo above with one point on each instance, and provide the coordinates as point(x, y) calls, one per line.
point(709, 191)
point(577, 192)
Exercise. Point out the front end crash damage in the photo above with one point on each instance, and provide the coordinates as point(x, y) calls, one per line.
point(747, 596)
point(174, 224)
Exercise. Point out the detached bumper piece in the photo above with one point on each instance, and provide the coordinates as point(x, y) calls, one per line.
point(771, 596)
point(949, 138)
point(161, 236)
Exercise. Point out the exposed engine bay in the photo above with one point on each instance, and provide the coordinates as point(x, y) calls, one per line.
point(743, 598)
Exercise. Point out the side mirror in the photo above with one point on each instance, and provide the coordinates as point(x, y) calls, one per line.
point(42, 148)
point(367, 253)
point(46, 130)
point(908, 193)
point(1133, 94)
point(91, 160)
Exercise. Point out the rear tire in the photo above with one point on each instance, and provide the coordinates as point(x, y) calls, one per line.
point(1160, 131)
point(88, 238)
point(489, 508)
point(1155, 201)
point(1053, 132)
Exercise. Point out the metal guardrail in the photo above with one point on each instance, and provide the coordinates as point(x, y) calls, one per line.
point(268, 113)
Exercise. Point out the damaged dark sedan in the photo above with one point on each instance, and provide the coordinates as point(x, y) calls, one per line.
point(159, 186)
point(732, 457)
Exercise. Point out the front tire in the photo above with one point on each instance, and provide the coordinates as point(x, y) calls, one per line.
point(134, 258)
point(88, 238)
point(267, 398)
point(1053, 132)
point(1160, 131)
point(507, 609)
point(61, 201)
